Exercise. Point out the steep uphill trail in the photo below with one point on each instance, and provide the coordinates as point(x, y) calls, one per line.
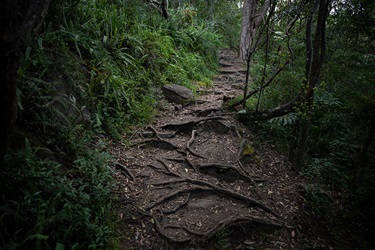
point(196, 178)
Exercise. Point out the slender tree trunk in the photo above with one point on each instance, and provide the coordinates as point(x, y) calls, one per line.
point(300, 153)
point(315, 54)
point(252, 18)
point(251, 21)
point(164, 6)
point(265, 64)
point(247, 28)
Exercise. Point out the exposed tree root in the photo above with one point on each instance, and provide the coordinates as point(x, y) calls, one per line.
point(158, 135)
point(231, 221)
point(225, 168)
point(179, 160)
point(191, 151)
point(227, 192)
point(221, 128)
point(158, 169)
point(192, 138)
point(188, 125)
point(173, 210)
point(212, 187)
point(241, 166)
point(206, 112)
point(160, 229)
point(192, 165)
point(254, 184)
point(126, 170)
point(223, 203)
point(156, 141)
point(204, 236)
point(174, 194)
point(182, 160)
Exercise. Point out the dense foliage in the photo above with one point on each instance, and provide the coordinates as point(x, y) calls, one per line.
point(339, 156)
point(95, 71)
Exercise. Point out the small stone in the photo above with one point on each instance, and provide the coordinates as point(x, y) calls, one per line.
point(178, 107)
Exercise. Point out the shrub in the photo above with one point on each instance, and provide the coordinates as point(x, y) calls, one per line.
point(46, 205)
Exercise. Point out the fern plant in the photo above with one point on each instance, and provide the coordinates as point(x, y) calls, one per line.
point(285, 120)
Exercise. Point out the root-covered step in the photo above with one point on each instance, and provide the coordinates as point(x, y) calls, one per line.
point(190, 177)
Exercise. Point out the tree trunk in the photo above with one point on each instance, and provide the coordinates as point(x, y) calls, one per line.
point(8, 71)
point(12, 30)
point(164, 7)
point(315, 54)
point(161, 7)
point(302, 130)
point(248, 43)
point(34, 18)
point(251, 20)
point(248, 11)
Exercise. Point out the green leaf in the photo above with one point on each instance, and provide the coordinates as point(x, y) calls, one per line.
point(59, 246)
point(39, 237)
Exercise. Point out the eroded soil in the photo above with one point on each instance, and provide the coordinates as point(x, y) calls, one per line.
point(196, 178)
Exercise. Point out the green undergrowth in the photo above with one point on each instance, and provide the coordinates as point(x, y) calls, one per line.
point(48, 205)
point(342, 192)
point(343, 109)
point(96, 71)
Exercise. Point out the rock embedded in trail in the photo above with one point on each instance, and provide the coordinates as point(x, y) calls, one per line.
point(178, 94)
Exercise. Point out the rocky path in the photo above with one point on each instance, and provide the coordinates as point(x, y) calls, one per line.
point(197, 179)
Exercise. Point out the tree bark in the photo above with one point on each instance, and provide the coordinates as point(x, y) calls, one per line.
point(161, 7)
point(315, 54)
point(250, 24)
point(34, 18)
point(251, 20)
point(275, 112)
point(12, 30)
point(9, 41)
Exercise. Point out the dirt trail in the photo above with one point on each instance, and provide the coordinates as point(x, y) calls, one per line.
point(197, 179)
